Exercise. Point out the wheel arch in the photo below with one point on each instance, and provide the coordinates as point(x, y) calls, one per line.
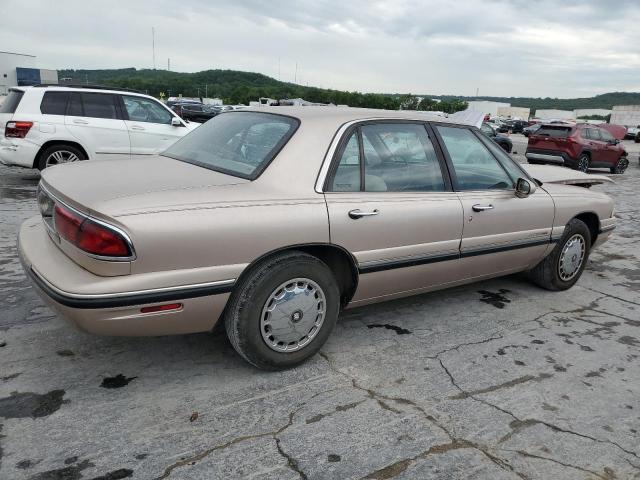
point(339, 260)
point(592, 221)
point(51, 143)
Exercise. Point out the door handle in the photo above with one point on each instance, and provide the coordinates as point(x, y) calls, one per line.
point(137, 127)
point(79, 121)
point(481, 208)
point(357, 213)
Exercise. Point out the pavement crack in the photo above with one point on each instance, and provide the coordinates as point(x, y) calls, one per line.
point(611, 296)
point(457, 347)
point(608, 473)
point(292, 463)
point(509, 384)
point(205, 453)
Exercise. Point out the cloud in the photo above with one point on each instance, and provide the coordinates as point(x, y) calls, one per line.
point(502, 47)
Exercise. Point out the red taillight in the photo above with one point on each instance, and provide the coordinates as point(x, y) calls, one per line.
point(17, 129)
point(161, 308)
point(67, 223)
point(88, 235)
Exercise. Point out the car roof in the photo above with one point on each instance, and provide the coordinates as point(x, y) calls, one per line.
point(65, 88)
point(340, 115)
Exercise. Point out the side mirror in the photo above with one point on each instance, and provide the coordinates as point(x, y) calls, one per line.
point(524, 188)
point(175, 121)
point(616, 141)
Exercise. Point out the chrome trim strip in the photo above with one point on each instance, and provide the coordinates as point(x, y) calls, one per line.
point(178, 288)
point(118, 230)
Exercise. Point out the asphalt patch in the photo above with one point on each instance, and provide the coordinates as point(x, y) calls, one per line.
point(71, 472)
point(497, 299)
point(29, 404)
point(398, 330)
point(116, 474)
point(118, 381)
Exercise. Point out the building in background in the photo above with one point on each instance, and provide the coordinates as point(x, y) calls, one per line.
point(552, 114)
point(627, 115)
point(20, 69)
point(591, 112)
point(516, 113)
point(486, 107)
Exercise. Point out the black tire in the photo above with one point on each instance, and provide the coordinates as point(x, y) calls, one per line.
point(41, 164)
point(547, 273)
point(243, 313)
point(506, 147)
point(620, 166)
point(583, 162)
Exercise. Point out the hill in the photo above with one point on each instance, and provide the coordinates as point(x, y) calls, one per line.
point(242, 87)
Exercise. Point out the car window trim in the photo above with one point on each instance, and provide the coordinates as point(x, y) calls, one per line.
point(355, 126)
point(452, 171)
point(525, 175)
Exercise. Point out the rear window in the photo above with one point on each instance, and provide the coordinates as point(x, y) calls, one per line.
point(11, 102)
point(553, 131)
point(239, 143)
point(54, 103)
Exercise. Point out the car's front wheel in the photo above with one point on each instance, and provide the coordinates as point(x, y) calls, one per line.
point(283, 311)
point(59, 154)
point(562, 268)
point(620, 166)
point(583, 163)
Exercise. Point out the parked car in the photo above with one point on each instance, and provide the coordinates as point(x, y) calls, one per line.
point(581, 146)
point(48, 125)
point(531, 129)
point(632, 133)
point(502, 140)
point(273, 219)
point(516, 126)
point(194, 112)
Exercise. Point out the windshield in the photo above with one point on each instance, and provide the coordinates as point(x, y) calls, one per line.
point(239, 143)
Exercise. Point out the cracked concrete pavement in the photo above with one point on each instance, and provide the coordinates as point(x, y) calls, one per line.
point(497, 380)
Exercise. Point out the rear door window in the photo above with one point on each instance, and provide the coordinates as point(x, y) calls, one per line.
point(347, 176)
point(94, 105)
point(54, 103)
point(12, 101)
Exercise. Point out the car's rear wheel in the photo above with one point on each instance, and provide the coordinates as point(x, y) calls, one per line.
point(283, 311)
point(584, 160)
point(620, 166)
point(562, 268)
point(59, 154)
point(506, 147)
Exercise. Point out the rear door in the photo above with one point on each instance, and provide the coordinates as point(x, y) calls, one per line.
point(610, 149)
point(149, 125)
point(502, 233)
point(391, 205)
point(95, 119)
point(595, 144)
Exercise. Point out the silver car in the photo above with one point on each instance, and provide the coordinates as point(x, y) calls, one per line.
point(272, 220)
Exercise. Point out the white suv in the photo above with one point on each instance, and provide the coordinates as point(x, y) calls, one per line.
point(46, 125)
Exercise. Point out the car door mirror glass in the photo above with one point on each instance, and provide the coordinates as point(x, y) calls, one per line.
point(524, 188)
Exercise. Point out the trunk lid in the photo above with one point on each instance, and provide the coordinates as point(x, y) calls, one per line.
point(112, 187)
point(550, 137)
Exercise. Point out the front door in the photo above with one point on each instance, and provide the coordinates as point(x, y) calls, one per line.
point(149, 125)
point(502, 233)
point(95, 120)
point(391, 205)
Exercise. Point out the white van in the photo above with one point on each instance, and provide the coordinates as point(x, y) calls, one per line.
point(42, 126)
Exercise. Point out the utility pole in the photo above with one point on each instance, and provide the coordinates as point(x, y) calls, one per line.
point(168, 64)
point(279, 78)
point(206, 90)
point(295, 77)
point(153, 45)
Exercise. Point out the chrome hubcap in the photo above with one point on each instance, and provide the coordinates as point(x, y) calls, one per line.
point(571, 257)
point(61, 156)
point(292, 315)
point(583, 164)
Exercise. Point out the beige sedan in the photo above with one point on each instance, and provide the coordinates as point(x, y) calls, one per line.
point(272, 220)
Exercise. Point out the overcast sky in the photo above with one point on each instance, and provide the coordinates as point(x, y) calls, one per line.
point(560, 48)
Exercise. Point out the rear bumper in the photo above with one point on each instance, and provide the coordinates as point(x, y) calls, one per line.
point(545, 157)
point(115, 312)
point(18, 152)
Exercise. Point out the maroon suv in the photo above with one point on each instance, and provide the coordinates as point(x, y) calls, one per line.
point(581, 146)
